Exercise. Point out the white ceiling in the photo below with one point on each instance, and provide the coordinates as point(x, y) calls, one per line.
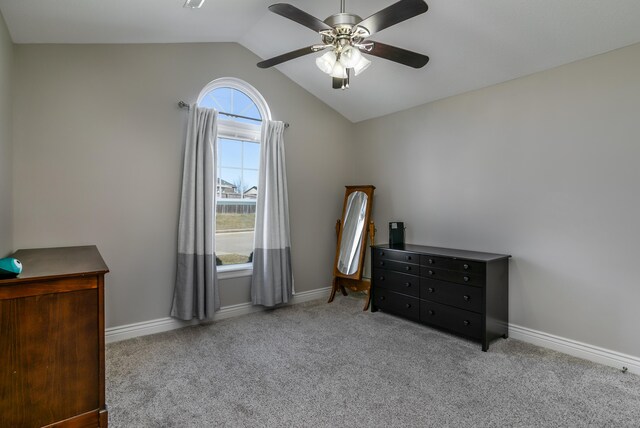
point(471, 43)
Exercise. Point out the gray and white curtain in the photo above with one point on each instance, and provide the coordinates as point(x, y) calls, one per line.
point(272, 280)
point(196, 292)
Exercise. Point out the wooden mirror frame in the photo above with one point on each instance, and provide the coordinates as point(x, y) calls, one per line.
point(354, 281)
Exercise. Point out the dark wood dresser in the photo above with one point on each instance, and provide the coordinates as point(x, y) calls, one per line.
point(463, 292)
point(52, 340)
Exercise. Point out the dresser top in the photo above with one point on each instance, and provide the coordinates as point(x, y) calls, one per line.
point(446, 252)
point(45, 263)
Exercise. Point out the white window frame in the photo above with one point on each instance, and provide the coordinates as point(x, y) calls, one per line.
point(231, 129)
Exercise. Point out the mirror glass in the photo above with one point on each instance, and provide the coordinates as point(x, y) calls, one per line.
point(352, 231)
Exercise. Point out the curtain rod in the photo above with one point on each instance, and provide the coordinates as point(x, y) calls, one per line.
point(184, 105)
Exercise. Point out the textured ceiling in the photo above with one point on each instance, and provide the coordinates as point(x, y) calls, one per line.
point(471, 43)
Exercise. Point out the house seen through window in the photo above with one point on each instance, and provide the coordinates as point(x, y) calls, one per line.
point(238, 161)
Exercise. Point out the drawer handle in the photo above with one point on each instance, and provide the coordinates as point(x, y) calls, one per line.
point(466, 279)
point(408, 305)
point(430, 261)
point(407, 268)
point(431, 312)
point(408, 258)
point(467, 322)
point(381, 253)
point(465, 266)
point(431, 272)
point(381, 297)
point(381, 263)
point(407, 284)
point(430, 290)
point(466, 298)
point(382, 278)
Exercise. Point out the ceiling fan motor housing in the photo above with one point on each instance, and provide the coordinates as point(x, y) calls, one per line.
point(340, 19)
point(343, 33)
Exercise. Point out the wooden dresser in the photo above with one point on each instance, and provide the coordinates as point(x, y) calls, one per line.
point(52, 340)
point(464, 292)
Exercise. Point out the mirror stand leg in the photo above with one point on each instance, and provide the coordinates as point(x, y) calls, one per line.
point(334, 287)
point(333, 290)
point(344, 291)
point(368, 301)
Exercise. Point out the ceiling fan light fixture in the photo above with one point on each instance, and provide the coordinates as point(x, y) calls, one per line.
point(350, 56)
point(361, 66)
point(327, 61)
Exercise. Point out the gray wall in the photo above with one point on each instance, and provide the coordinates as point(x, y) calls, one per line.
point(544, 168)
point(6, 64)
point(98, 142)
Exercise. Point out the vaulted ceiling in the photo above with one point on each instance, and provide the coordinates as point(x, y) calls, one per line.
point(471, 43)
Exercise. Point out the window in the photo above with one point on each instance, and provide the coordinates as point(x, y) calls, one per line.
point(241, 111)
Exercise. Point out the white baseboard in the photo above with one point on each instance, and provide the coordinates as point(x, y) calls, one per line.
point(575, 348)
point(129, 331)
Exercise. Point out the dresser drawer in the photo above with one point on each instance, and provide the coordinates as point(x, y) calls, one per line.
point(434, 261)
point(451, 275)
point(399, 256)
point(477, 268)
point(400, 304)
point(395, 281)
point(461, 296)
point(397, 266)
point(454, 319)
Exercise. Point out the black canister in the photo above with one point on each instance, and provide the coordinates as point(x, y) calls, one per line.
point(396, 233)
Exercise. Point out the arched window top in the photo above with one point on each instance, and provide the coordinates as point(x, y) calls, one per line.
point(235, 96)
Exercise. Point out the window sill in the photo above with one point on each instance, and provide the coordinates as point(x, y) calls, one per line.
point(235, 271)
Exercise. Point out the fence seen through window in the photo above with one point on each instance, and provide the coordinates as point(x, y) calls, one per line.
point(236, 193)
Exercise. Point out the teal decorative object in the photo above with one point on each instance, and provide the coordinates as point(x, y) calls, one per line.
point(10, 267)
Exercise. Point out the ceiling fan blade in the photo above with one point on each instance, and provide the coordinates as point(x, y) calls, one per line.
point(399, 55)
point(397, 12)
point(285, 57)
point(299, 16)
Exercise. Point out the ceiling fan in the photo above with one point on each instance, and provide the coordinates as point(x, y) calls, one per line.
point(345, 35)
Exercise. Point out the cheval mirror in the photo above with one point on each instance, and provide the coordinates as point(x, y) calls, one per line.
point(352, 242)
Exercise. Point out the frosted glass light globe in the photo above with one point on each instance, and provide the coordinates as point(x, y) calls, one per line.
point(361, 66)
point(326, 62)
point(339, 71)
point(350, 56)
